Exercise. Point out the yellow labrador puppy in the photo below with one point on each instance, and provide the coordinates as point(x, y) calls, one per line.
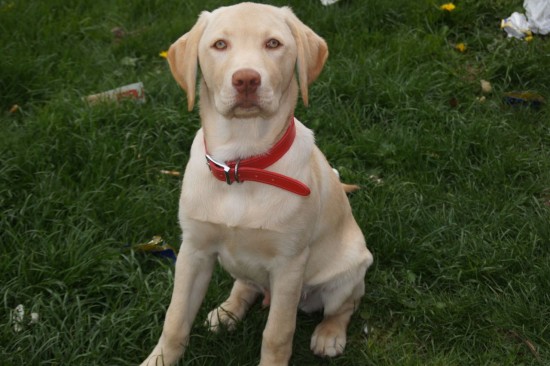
point(258, 195)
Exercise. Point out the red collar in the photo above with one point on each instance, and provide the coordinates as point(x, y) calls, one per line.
point(253, 169)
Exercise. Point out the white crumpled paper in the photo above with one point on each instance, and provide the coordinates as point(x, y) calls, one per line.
point(19, 316)
point(536, 21)
point(538, 14)
point(516, 25)
point(328, 2)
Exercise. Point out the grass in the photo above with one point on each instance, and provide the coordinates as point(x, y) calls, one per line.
point(455, 205)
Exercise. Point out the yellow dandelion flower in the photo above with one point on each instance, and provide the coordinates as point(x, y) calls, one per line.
point(448, 7)
point(461, 47)
point(163, 54)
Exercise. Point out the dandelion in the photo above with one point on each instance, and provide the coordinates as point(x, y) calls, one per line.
point(448, 7)
point(461, 47)
point(163, 54)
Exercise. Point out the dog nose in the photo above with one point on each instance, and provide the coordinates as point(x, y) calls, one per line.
point(246, 81)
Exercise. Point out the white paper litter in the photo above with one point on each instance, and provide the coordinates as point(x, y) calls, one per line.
point(18, 318)
point(516, 25)
point(536, 20)
point(538, 13)
point(134, 91)
point(328, 2)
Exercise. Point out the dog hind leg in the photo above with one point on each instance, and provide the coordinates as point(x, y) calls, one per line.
point(233, 309)
point(329, 337)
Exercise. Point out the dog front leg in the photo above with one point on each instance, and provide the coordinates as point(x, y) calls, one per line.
point(286, 287)
point(193, 272)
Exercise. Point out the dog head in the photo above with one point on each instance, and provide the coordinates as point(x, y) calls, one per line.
point(249, 56)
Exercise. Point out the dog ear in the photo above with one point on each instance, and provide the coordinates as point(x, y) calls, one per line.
point(312, 53)
point(183, 58)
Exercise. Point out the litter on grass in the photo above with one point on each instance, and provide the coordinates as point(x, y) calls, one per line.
point(536, 20)
point(538, 14)
point(134, 91)
point(158, 247)
point(129, 61)
point(516, 25)
point(376, 179)
point(526, 98)
point(486, 87)
point(19, 320)
point(173, 173)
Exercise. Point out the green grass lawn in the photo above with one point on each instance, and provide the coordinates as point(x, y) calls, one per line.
point(455, 202)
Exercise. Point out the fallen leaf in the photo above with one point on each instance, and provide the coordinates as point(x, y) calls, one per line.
point(118, 32)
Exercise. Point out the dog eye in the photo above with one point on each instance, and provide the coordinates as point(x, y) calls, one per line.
point(220, 45)
point(273, 43)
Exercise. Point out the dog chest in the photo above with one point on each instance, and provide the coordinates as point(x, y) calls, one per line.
point(250, 254)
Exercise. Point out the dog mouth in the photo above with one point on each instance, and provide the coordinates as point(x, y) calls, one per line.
point(247, 106)
point(248, 100)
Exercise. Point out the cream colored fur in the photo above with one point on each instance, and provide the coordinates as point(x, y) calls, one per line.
point(305, 252)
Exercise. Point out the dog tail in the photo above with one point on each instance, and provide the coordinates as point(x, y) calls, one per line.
point(348, 188)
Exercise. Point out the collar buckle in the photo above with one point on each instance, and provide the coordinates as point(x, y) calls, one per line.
point(226, 168)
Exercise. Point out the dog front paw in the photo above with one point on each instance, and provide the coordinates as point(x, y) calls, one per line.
point(154, 360)
point(328, 340)
point(162, 356)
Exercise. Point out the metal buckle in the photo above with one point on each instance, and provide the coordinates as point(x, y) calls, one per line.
point(237, 171)
point(226, 168)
